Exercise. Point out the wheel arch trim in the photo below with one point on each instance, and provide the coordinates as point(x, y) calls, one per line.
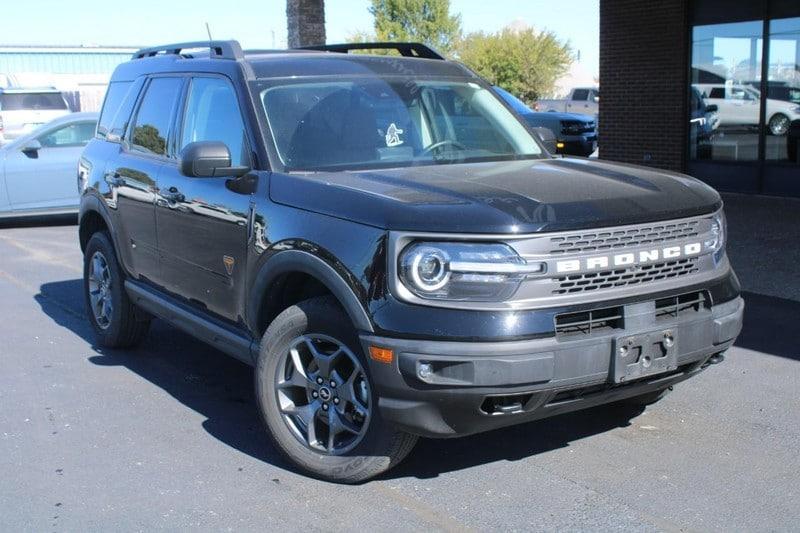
point(288, 261)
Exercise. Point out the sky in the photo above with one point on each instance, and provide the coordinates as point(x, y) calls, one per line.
point(262, 23)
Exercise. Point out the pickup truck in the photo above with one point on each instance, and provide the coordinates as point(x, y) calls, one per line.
point(581, 100)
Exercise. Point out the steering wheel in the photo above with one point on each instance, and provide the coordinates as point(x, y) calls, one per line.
point(437, 145)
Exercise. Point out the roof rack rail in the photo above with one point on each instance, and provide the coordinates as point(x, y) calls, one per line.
point(405, 49)
point(217, 49)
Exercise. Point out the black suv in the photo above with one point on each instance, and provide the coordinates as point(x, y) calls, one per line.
point(387, 243)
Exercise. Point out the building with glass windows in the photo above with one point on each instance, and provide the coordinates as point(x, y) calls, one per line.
point(706, 87)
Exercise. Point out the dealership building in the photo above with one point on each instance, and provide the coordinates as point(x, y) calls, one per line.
point(666, 65)
point(80, 72)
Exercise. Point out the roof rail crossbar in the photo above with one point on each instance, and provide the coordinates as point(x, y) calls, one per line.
point(218, 49)
point(405, 49)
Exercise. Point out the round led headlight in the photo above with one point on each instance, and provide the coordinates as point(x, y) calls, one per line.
point(464, 271)
point(427, 267)
point(716, 238)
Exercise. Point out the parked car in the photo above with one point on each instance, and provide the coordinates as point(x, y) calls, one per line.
point(779, 90)
point(575, 134)
point(739, 105)
point(580, 100)
point(390, 248)
point(23, 110)
point(38, 171)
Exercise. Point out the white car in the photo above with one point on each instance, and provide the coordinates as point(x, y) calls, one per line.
point(580, 100)
point(23, 110)
point(739, 105)
point(39, 171)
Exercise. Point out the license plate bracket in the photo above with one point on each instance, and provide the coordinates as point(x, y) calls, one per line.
point(644, 354)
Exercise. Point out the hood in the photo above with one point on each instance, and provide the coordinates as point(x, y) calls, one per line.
point(560, 116)
point(500, 197)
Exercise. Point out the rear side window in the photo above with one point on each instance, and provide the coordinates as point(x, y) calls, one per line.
point(37, 101)
point(580, 94)
point(717, 92)
point(212, 114)
point(151, 129)
point(115, 96)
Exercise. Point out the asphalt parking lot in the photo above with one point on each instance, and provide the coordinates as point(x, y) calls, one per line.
point(168, 437)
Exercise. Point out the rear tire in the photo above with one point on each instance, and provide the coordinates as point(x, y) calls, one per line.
point(116, 321)
point(310, 357)
point(779, 124)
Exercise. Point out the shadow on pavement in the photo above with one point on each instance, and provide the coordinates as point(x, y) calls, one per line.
point(221, 389)
point(770, 325)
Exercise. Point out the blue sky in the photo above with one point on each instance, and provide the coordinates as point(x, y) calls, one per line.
point(259, 24)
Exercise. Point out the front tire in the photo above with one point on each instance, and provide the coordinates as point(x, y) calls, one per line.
point(116, 321)
point(316, 399)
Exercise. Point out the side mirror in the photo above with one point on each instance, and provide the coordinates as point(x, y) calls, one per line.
point(596, 99)
point(208, 159)
point(713, 108)
point(31, 148)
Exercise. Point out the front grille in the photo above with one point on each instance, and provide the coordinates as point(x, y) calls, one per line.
point(682, 305)
point(623, 277)
point(588, 322)
point(575, 127)
point(639, 235)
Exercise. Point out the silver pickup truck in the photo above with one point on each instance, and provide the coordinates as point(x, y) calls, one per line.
point(581, 100)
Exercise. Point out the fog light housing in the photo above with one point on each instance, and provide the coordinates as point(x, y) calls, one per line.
point(425, 371)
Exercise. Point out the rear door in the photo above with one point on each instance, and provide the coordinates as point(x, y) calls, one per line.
point(133, 173)
point(203, 223)
point(579, 101)
point(45, 178)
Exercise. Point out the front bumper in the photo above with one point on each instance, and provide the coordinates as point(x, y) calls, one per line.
point(478, 386)
point(580, 145)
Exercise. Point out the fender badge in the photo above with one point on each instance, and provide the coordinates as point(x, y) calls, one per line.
point(228, 261)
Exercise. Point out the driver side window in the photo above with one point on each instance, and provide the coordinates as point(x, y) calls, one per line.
point(212, 114)
point(71, 135)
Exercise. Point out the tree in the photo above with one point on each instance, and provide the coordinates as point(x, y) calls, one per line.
point(525, 62)
point(305, 22)
point(426, 21)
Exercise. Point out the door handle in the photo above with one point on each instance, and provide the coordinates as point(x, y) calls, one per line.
point(173, 195)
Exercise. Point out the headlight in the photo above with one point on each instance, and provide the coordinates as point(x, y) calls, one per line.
point(716, 240)
point(490, 272)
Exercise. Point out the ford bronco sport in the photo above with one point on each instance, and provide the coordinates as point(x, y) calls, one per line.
point(389, 246)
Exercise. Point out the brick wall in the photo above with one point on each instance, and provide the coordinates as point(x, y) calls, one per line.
point(643, 82)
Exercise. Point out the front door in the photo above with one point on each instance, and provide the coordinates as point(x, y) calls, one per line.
point(46, 178)
point(203, 223)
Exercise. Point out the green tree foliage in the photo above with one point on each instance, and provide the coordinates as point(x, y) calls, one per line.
point(426, 21)
point(524, 62)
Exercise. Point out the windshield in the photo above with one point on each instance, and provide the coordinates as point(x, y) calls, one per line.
point(374, 122)
point(37, 101)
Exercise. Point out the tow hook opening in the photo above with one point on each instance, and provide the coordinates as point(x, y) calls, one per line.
point(505, 405)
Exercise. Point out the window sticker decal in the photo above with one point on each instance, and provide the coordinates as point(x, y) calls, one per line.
point(393, 135)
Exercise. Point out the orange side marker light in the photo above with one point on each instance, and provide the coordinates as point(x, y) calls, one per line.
point(381, 355)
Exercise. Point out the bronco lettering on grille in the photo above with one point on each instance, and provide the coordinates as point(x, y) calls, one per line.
point(629, 258)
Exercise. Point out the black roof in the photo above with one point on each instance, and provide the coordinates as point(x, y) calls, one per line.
point(227, 57)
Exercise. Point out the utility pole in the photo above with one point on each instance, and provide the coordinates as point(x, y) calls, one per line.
point(305, 20)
